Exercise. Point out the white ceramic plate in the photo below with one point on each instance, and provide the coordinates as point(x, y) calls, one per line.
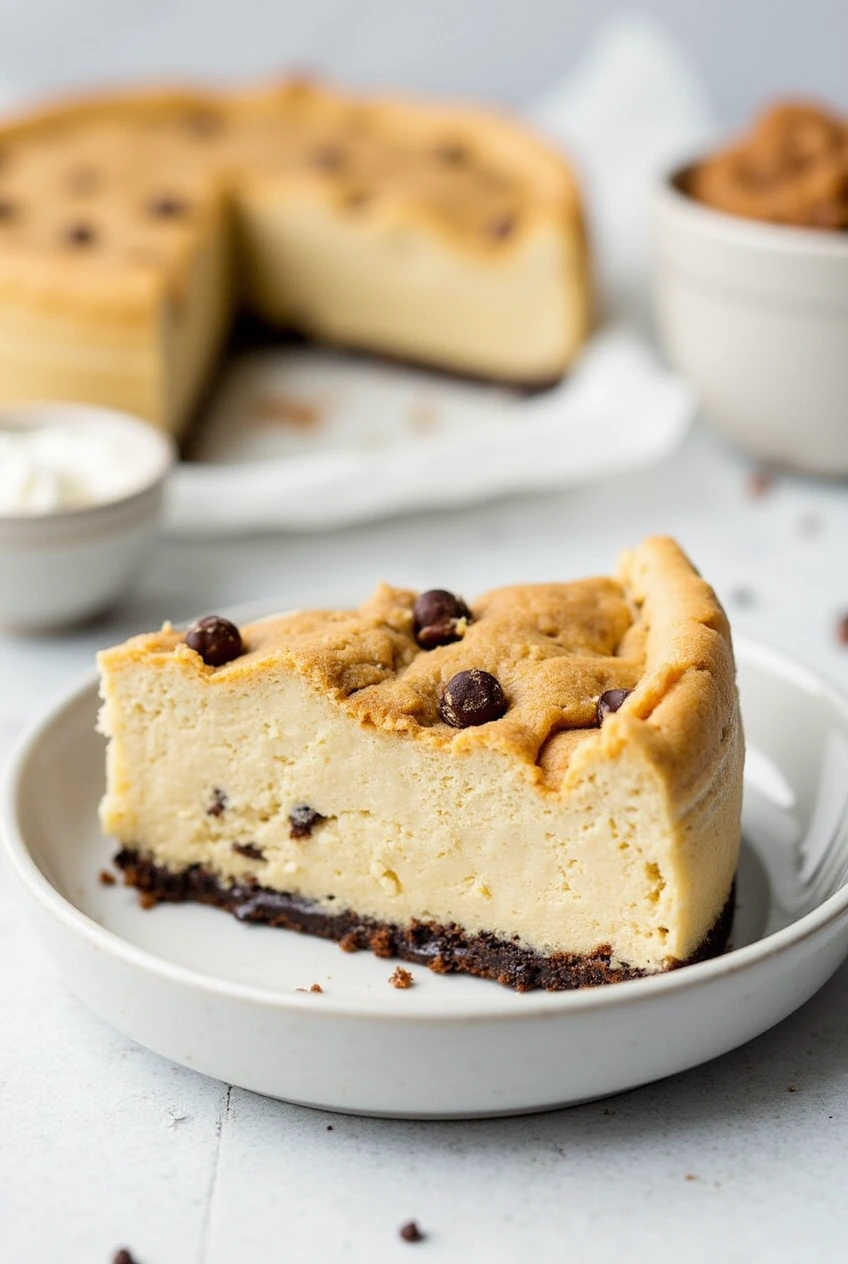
point(199, 987)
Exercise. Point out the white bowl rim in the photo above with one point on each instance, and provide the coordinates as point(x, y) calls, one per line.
point(788, 239)
point(39, 889)
point(28, 413)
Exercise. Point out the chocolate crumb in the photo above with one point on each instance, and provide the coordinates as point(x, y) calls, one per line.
point(410, 1232)
point(303, 820)
point(250, 850)
point(124, 1257)
point(842, 629)
point(107, 879)
point(329, 1127)
point(401, 978)
point(147, 900)
point(219, 803)
point(790, 1088)
point(760, 483)
point(690, 1177)
point(79, 235)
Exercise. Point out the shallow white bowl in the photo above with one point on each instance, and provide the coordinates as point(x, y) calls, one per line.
point(58, 568)
point(756, 317)
point(222, 997)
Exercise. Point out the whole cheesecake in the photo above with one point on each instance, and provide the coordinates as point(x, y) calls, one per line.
point(133, 227)
point(542, 789)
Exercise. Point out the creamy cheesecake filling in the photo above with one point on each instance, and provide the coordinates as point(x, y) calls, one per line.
point(443, 235)
point(539, 828)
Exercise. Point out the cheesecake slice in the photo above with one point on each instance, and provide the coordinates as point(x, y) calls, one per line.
point(135, 226)
point(543, 789)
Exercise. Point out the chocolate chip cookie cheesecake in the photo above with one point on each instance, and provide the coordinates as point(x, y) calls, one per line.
point(542, 787)
point(134, 226)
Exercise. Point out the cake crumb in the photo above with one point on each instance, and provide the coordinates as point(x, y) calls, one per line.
point(790, 1088)
point(401, 978)
point(124, 1257)
point(107, 879)
point(315, 987)
point(410, 1232)
point(690, 1176)
point(760, 483)
point(301, 414)
point(147, 900)
point(842, 629)
point(329, 1127)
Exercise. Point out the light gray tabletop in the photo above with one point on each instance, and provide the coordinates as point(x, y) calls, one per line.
point(103, 1144)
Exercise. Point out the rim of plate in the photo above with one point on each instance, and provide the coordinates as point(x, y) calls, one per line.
point(41, 889)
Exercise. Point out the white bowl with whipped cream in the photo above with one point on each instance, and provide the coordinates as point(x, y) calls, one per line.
point(80, 506)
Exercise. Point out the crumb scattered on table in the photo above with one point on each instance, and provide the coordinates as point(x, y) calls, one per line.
point(790, 1088)
point(690, 1176)
point(401, 978)
point(315, 987)
point(842, 629)
point(760, 483)
point(124, 1257)
point(107, 879)
point(410, 1232)
point(329, 1127)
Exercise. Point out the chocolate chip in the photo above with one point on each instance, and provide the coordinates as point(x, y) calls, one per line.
point(203, 123)
point(502, 227)
point(452, 152)
point(8, 210)
point(470, 698)
point(250, 850)
point(410, 1232)
point(79, 235)
point(610, 701)
point(436, 616)
point(167, 206)
point(218, 804)
point(303, 820)
point(123, 1257)
point(216, 640)
point(328, 158)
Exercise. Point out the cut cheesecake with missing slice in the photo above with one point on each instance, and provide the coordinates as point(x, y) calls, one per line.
point(544, 789)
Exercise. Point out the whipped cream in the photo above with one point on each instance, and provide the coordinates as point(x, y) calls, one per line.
point(52, 467)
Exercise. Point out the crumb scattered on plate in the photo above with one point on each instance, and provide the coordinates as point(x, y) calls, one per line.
point(315, 987)
point(107, 879)
point(401, 978)
point(302, 414)
point(760, 483)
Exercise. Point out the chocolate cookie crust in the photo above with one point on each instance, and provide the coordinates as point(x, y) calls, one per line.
point(445, 949)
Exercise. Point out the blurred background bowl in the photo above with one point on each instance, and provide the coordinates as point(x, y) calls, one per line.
point(60, 567)
point(755, 315)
